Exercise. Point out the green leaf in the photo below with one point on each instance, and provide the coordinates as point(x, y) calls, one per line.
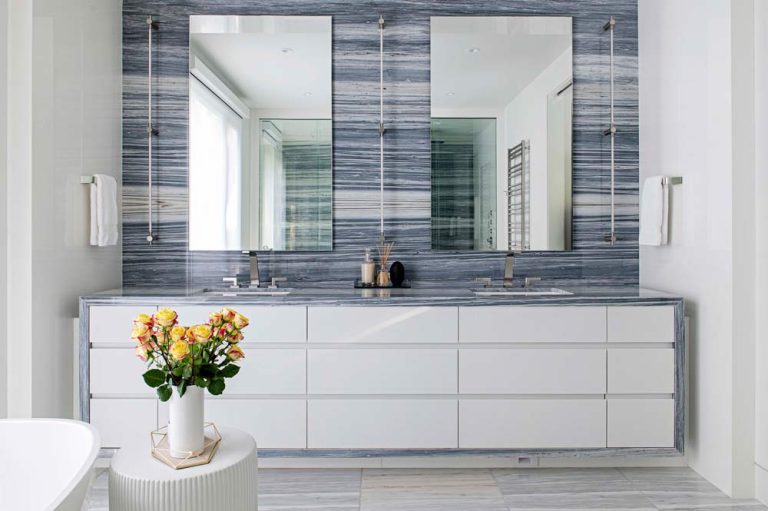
point(207, 371)
point(182, 388)
point(154, 377)
point(164, 392)
point(216, 386)
point(187, 372)
point(178, 370)
point(229, 371)
point(201, 382)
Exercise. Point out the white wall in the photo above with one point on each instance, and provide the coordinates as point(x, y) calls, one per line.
point(66, 96)
point(3, 210)
point(695, 123)
point(526, 118)
point(761, 239)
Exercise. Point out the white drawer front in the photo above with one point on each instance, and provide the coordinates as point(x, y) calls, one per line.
point(123, 422)
point(382, 371)
point(641, 371)
point(270, 371)
point(641, 324)
point(382, 324)
point(274, 423)
point(532, 423)
point(268, 324)
point(118, 371)
point(382, 424)
point(532, 371)
point(113, 324)
point(641, 423)
point(532, 324)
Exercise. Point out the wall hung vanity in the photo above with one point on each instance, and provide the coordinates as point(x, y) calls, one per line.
point(600, 371)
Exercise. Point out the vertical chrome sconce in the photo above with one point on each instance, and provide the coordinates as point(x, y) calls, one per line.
point(151, 130)
point(611, 131)
point(381, 128)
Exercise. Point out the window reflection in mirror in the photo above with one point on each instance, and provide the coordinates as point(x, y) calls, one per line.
point(501, 133)
point(260, 133)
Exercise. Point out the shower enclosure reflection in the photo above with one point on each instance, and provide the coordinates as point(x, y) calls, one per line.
point(501, 133)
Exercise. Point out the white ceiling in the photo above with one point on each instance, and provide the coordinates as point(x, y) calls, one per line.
point(270, 62)
point(512, 52)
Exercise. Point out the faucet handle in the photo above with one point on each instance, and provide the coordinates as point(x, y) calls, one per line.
point(275, 280)
point(232, 280)
point(485, 281)
point(529, 281)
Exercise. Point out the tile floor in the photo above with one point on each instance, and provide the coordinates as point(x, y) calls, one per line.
point(478, 490)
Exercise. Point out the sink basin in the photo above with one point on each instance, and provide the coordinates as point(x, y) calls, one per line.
point(520, 291)
point(252, 291)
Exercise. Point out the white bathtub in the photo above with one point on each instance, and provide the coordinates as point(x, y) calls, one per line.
point(46, 463)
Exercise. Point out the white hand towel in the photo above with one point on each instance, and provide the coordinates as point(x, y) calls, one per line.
point(654, 212)
point(103, 211)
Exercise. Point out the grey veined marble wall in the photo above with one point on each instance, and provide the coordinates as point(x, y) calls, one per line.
point(355, 144)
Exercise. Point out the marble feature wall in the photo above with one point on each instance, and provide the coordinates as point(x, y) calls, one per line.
point(355, 153)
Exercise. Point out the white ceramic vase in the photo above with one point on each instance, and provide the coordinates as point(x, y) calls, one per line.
point(185, 423)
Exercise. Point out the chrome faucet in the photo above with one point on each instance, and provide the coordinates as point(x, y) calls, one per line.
point(509, 269)
point(254, 271)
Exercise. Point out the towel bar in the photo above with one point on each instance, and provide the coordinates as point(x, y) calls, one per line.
point(86, 180)
point(669, 180)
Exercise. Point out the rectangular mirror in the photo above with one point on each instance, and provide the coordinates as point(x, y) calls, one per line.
point(260, 133)
point(502, 104)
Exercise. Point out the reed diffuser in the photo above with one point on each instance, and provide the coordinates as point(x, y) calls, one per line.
point(384, 249)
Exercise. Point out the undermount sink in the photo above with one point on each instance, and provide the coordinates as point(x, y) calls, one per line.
point(249, 291)
point(520, 291)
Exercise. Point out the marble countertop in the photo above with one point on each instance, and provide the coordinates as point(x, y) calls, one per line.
point(443, 296)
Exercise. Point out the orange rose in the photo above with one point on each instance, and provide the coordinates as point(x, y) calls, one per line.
point(144, 319)
point(140, 333)
point(236, 337)
point(215, 318)
point(142, 353)
point(227, 314)
point(235, 353)
point(240, 321)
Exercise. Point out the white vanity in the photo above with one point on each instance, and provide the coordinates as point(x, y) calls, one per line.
point(598, 374)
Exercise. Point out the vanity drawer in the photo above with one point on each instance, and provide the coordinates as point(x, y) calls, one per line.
point(654, 323)
point(641, 423)
point(532, 371)
point(270, 371)
point(123, 422)
point(531, 324)
point(382, 324)
point(108, 324)
point(268, 323)
point(531, 423)
point(641, 371)
point(382, 371)
point(117, 371)
point(382, 424)
point(273, 423)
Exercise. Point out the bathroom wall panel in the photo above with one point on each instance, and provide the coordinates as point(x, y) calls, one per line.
point(356, 144)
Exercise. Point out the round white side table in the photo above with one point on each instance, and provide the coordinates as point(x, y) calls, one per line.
point(139, 482)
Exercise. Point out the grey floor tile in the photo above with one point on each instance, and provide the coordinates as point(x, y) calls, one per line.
point(98, 494)
point(430, 490)
point(561, 480)
point(677, 479)
point(316, 489)
point(582, 501)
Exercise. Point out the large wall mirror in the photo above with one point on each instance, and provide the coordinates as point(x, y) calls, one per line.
point(501, 133)
point(260, 128)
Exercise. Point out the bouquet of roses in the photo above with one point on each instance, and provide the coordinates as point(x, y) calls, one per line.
point(179, 356)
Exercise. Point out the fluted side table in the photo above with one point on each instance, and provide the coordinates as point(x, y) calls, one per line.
point(139, 482)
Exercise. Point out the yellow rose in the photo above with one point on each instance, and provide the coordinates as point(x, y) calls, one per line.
point(191, 335)
point(215, 318)
point(202, 333)
point(179, 350)
point(240, 321)
point(166, 317)
point(140, 332)
point(227, 314)
point(144, 319)
point(177, 332)
point(235, 353)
